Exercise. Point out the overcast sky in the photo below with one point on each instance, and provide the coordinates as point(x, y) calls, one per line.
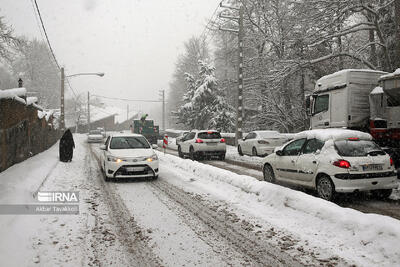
point(135, 42)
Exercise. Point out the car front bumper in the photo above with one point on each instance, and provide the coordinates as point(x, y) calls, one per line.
point(132, 170)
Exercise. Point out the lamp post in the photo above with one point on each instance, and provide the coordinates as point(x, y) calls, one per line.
point(62, 117)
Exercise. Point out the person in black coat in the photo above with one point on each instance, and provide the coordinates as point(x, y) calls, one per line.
point(67, 146)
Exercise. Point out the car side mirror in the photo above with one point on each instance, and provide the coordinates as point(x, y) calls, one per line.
point(154, 146)
point(244, 138)
point(103, 147)
point(279, 153)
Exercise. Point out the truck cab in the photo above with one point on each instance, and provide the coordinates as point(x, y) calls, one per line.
point(341, 99)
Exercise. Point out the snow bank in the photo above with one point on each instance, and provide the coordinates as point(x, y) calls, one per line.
point(335, 134)
point(374, 237)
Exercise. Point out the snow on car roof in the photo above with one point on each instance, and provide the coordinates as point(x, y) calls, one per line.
point(335, 134)
point(125, 134)
point(265, 134)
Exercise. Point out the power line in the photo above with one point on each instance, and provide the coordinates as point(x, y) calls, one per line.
point(130, 100)
point(209, 22)
point(42, 27)
point(47, 37)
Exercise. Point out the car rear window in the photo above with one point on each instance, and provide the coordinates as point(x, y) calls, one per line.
point(358, 148)
point(209, 135)
point(129, 142)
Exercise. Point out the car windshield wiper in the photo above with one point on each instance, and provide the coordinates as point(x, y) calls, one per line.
point(375, 152)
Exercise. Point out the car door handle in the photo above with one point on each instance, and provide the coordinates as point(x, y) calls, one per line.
point(314, 161)
point(292, 161)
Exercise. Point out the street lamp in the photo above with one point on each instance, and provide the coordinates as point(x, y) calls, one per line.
point(62, 121)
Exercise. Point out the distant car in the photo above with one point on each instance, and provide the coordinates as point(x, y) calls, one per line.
point(332, 161)
point(199, 144)
point(103, 131)
point(261, 143)
point(95, 136)
point(179, 138)
point(127, 155)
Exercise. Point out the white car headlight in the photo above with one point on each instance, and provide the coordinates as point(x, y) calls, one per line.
point(114, 159)
point(154, 157)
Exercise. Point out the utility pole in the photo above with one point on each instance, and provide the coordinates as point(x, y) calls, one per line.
point(240, 33)
point(62, 121)
point(127, 112)
point(88, 111)
point(163, 108)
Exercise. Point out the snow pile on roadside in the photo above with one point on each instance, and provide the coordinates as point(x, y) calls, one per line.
point(232, 154)
point(373, 237)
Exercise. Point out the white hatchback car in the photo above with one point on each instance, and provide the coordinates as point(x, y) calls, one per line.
point(333, 160)
point(94, 136)
point(261, 143)
point(128, 155)
point(198, 144)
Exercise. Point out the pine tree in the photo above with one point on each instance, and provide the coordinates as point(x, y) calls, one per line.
point(205, 106)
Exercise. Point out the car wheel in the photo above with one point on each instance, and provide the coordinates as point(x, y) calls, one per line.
point(325, 188)
point(240, 150)
point(191, 154)
point(180, 152)
point(222, 156)
point(254, 152)
point(269, 175)
point(382, 193)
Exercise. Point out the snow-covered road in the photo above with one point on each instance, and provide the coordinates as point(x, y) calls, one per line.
point(193, 215)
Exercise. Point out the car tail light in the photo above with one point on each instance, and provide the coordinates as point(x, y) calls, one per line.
point(222, 140)
point(199, 141)
point(342, 164)
point(353, 138)
point(391, 162)
point(263, 142)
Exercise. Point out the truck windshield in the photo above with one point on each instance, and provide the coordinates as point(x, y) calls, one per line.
point(321, 103)
point(128, 142)
point(360, 148)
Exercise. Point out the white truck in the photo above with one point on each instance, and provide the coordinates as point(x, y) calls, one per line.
point(352, 98)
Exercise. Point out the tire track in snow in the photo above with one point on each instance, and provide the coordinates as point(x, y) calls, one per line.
point(129, 233)
point(246, 242)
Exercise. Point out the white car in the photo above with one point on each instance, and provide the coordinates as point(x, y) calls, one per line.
point(179, 138)
point(102, 131)
point(127, 155)
point(198, 144)
point(261, 143)
point(94, 136)
point(331, 161)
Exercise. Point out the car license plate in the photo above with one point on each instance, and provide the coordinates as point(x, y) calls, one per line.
point(211, 144)
point(372, 167)
point(135, 169)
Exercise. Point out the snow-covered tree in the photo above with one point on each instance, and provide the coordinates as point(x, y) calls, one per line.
point(204, 104)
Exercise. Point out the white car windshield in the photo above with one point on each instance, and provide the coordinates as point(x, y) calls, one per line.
point(95, 132)
point(129, 142)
